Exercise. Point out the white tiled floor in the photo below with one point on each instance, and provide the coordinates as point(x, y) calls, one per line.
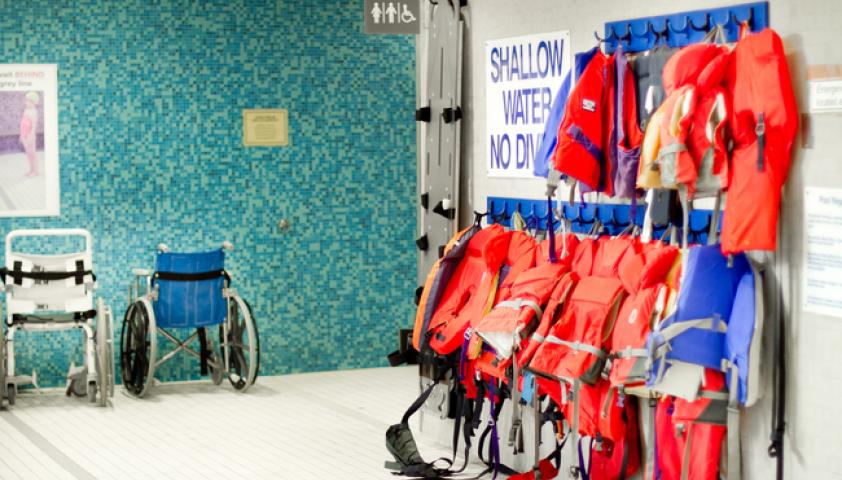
point(322, 425)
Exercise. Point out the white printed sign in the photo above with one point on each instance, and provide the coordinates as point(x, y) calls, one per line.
point(826, 95)
point(822, 289)
point(29, 183)
point(523, 75)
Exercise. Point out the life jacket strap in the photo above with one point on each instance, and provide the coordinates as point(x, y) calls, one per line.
point(734, 451)
point(519, 303)
point(578, 346)
point(630, 352)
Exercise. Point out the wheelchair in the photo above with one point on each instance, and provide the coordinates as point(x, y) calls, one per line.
point(46, 293)
point(188, 291)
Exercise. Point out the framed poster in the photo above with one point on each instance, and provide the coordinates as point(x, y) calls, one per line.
point(523, 76)
point(29, 173)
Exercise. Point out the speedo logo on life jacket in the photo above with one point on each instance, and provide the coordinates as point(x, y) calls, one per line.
point(588, 105)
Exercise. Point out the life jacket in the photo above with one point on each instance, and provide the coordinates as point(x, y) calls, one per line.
point(643, 273)
point(649, 84)
point(469, 288)
point(440, 275)
point(574, 348)
point(620, 457)
point(763, 125)
point(584, 132)
point(685, 449)
point(688, 75)
point(693, 337)
point(626, 137)
point(706, 142)
point(509, 327)
point(713, 340)
point(544, 155)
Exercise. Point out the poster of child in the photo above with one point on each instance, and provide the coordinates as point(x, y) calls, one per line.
point(28, 150)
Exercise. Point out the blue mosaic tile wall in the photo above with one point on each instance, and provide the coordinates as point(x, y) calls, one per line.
point(151, 95)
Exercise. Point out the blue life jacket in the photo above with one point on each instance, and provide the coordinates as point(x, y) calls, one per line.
point(544, 155)
point(696, 332)
point(742, 342)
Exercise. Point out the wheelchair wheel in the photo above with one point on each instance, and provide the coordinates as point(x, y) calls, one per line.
point(242, 345)
point(138, 348)
point(104, 353)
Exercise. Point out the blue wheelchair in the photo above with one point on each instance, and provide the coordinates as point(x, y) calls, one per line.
point(188, 291)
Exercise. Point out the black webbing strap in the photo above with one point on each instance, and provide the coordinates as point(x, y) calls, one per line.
point(18, 274)
point(191, 277)
point(203, 351)
point(84, 316)
point(776, 446)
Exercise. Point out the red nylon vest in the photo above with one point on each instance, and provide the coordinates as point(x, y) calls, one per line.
point(469, 288)
point(584, 132)
point(759, 83)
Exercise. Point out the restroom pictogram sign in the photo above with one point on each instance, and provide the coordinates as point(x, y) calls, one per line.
point(395, 17)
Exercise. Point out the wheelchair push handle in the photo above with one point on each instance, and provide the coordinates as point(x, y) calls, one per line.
point(141, 272)
point(226, 245)
point(51, 232)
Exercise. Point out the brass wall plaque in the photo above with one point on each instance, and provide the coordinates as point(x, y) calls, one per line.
point(265, 128)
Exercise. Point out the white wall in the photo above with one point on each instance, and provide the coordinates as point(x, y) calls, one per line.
point(812, 33)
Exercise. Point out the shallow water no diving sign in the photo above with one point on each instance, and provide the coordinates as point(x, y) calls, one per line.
point(388, 16)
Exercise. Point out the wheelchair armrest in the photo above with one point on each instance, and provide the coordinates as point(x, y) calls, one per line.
point(141, 272)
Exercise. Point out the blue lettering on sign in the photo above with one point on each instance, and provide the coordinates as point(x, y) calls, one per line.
point(501, 151)
point(495, 66)
point(557, 57)
point(514, 62)
point(542, 70)
point(527, 105)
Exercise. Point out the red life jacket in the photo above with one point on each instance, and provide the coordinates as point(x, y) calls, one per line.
point(643, 273)
point(443, 272)
point(574, 348)
point(584, 133)
point(706, 142)
point(469, 288)
point(686, 445)
point(688, 76)
point(763, 125)
point(607, 461)
point(509, 327)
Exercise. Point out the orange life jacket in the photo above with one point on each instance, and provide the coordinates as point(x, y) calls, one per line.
point(692, 74)
point(469, 287)
point(574, 348)
point(763, 124)
point(440, 275)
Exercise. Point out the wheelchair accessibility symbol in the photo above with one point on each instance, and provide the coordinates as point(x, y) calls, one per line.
point(391, 16)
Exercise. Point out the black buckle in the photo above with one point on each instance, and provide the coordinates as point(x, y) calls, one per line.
point(760, 131)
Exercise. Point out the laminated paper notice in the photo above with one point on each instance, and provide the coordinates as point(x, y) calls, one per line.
point(822, 290)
